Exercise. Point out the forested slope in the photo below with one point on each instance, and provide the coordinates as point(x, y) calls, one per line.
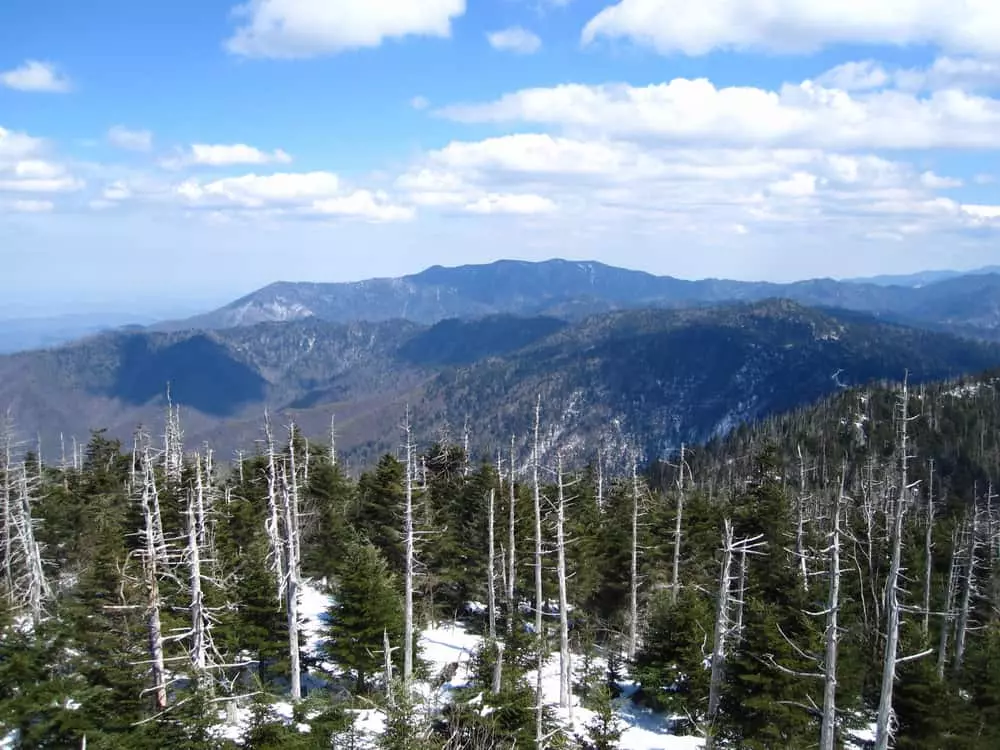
point(150, 595)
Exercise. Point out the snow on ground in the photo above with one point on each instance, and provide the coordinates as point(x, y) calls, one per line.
point(449, 644)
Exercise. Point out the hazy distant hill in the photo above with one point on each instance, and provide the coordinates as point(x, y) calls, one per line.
point(655, 376)
point(574, 290)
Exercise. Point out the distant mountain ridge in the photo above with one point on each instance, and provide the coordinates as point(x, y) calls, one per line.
point(650, 377)
point(574, 290)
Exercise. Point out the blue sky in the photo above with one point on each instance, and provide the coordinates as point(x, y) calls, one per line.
point(174, 155)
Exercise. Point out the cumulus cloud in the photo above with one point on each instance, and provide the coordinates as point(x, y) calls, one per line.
point(130, 140)
point(308, 28)
point(223, 155)
point(798, 26)
point(807, 114)
point(26, 168)
point(515, 39)
point(593, 184)
point(302, 193)
point(35, 75)
point(363, 204)
point(524, 204)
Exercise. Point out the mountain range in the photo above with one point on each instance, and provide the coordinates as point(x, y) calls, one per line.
point(651, 377)
point(968, 304)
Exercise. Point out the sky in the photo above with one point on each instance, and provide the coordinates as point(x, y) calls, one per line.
point(162, 155)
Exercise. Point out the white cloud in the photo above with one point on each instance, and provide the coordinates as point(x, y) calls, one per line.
point(862, 75)
point(307, 28)
point(304, 193)
point(798, 185)
point(364, 204)
point(34, 75)
point(255, 191)
point(937, 182)
point(15, 146)
point(798, 26)
point(807, 115)
point(32, 206)
point(515, 39)
point(420, 102)
point(524, 204)
point(964, 73)
point(224, 155)
point(24, 168)
point(130, 140)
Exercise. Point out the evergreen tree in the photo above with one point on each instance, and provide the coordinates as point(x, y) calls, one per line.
point(367, 605)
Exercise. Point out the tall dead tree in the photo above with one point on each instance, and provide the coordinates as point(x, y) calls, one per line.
point(947, 611)
point(290, 495)
point(511, 553)
point(6, 502)
point(491, 592)
point(633, 608)
point(272, 523)
point(800, 523)
point(885, 721)
point(565, 658)
point(408, 541)
point(828, 730)
point(333, 440)
point(30, 587)
point(928, 548)
point(675, 583)
point(539, 598)
point(724, 622)
point(968, 586)
point(153, 544)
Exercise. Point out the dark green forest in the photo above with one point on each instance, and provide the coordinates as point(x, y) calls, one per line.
point(806, 578)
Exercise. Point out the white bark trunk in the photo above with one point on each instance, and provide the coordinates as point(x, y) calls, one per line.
point(885, 721)
point(947, 612)
point(539, 601)
point(511, 557)
point(291, 499)
point(491, 592)
point(968, 583)
point(828, 730)
point(409, 554)
point(272, 525)
point(633, 608)
point(151, 572)
point(675, 585)
point(800, 548)
point(928, 550)
point(718, 659)
point(6, 505)
point(565, 663)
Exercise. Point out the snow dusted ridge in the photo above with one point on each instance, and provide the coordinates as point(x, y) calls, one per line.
point(451, 643)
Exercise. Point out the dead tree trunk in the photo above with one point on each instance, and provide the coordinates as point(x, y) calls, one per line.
point(151, 572)
point(491, 593)
point(291, 501)
point(675, 585)
point(828, 729)
point(6, 503)
point(928, 549)
point(565, 664)
point(800, 531)
point(885, 722)
point(409, 553)
point(511, 556)
point(539, 599)
point(633, 607)
point(718, 658)
point(947, 615)
point(968, 583)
